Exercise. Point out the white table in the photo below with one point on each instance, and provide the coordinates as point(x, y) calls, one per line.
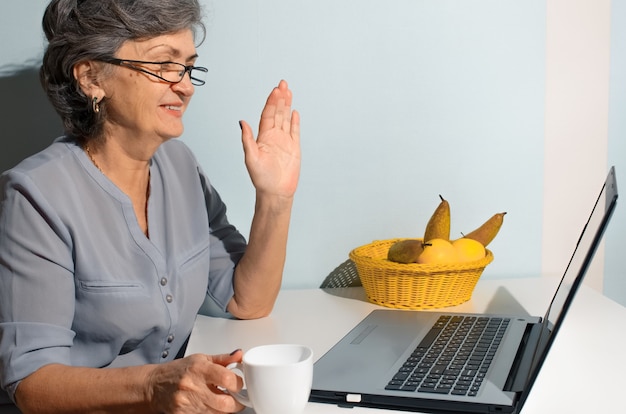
point(319, 318)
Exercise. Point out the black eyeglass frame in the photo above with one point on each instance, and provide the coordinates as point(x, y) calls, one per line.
point(131, 64)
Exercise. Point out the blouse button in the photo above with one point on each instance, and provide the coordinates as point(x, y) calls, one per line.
point(163, 281)
point(165, 354)
point(170, 338)
point(169, 298)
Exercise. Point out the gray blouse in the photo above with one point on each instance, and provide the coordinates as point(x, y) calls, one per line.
point(80, 283)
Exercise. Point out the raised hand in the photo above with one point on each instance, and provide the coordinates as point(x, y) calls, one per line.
point(273, 159)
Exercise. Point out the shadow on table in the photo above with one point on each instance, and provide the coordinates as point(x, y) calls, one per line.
point(502, 299)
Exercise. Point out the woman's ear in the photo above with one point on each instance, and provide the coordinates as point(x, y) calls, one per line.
point(85, 73)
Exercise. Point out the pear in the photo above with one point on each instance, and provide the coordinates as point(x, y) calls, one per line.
point(488, 230)
point(405, 251)
point(438, 226)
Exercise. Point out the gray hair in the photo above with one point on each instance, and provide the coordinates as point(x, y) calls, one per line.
point(80, 30)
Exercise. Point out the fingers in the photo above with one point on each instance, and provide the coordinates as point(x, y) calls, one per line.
point(225, 359)
point(273, 158)
point(277, 110)
point(247, 138)
point(294, 128)
point(282, 117)
point(218, 375)
point(196, 383)
point(219, 378)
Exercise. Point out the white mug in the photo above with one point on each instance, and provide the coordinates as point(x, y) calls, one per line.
point(277, 378)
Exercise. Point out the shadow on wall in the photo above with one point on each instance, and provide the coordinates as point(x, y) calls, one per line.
point(29, 122)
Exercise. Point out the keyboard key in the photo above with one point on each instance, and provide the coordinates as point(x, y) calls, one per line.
point(409, 387)
point(434, 390)
point(401, 376)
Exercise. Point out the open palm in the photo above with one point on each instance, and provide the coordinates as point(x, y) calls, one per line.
point(273, 159)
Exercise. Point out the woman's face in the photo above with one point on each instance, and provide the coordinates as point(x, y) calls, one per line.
point(141, 106)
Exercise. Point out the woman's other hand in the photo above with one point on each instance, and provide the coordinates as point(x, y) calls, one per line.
point(192, 385)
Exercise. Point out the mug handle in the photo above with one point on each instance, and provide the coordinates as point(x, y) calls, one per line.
point(241, 396)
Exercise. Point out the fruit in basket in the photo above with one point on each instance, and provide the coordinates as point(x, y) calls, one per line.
point(438, 226)
point(468, 250)
point(488, 230)
point(436, 246)
point(405, 251)
point(437, 251)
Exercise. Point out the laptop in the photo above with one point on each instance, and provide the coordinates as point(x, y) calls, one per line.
point(452, 362)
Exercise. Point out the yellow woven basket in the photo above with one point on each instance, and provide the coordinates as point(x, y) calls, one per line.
point(413, 285)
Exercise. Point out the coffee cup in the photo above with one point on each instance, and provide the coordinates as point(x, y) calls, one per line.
point(277, 378)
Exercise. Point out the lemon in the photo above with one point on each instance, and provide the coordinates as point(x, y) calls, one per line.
point(468, 250)
point(438, 251)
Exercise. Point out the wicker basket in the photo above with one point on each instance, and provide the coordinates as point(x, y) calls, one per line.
point(414, 286)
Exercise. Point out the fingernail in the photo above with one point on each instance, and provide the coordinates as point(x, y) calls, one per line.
point(235, 351)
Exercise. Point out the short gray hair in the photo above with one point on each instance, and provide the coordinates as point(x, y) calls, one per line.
point(80, 30)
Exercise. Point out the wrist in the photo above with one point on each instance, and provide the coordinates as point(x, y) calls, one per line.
point(149, 390)
point(274, 203)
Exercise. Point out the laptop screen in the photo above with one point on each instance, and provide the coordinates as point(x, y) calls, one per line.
point(581, 259)
point(584, 250)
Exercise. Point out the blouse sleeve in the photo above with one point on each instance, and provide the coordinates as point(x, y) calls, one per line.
point(227, 246)
point(36, 281)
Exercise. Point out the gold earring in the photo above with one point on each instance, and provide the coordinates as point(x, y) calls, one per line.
point(94, 105)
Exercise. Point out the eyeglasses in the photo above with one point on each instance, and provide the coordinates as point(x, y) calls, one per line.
point(170, 72)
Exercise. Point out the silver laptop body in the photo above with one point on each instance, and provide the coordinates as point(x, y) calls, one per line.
point(366, 367)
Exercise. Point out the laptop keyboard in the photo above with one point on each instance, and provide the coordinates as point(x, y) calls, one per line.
point(453, 358)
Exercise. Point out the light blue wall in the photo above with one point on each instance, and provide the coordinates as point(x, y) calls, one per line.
point(615, 270)
point(400, 101)
point(22, 38)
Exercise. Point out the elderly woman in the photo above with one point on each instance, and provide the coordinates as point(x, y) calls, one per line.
point(112, 237)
